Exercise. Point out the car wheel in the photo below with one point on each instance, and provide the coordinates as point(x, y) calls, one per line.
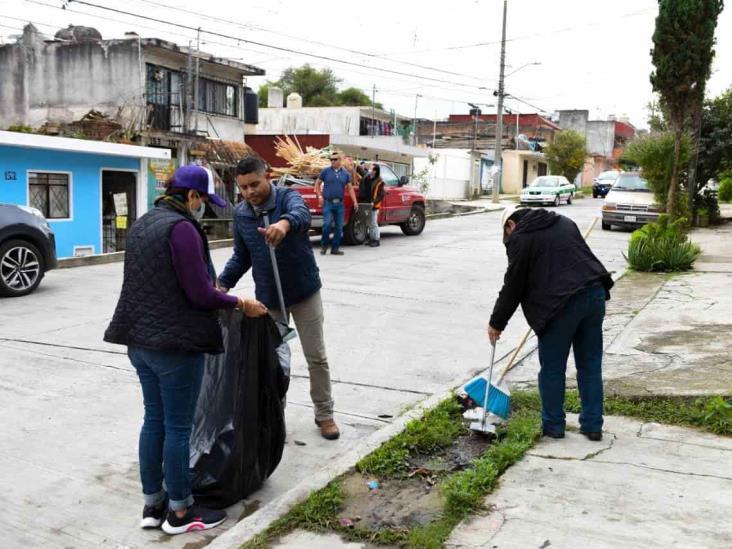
point(416, 222)
point(606, 226)
point(594, 195)
point(357, 230)
point(21, 268)
point(556, 200)
point(569, 200)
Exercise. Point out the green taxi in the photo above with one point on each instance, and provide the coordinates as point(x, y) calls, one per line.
point(548, 189)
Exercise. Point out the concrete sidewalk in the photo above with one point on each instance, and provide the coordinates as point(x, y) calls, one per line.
point(645, 485)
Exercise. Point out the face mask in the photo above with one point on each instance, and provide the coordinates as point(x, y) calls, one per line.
point(198, 214)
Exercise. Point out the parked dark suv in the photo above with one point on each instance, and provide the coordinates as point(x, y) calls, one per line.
point(27, 249)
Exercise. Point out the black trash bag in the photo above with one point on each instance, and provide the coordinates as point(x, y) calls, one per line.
point(239, 425)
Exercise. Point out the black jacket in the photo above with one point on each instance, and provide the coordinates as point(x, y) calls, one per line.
point(548, 262)
point(364, 189)
point(153, 311)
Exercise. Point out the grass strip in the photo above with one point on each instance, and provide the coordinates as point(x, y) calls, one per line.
point(437, 429)
point(708, 413)
point(463, 492)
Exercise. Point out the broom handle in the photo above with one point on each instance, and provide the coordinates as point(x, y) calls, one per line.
point(488, 386)
point(528, 332)
point(276, 271)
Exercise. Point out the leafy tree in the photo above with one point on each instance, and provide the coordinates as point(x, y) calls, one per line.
point(654, 154)
point(353, 97)
point(318, 88)
point(566, 156)
point(715, 143)
point(656, 118)
point(683, 49)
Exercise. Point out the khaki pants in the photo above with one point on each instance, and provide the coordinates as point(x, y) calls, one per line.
point(308, 316)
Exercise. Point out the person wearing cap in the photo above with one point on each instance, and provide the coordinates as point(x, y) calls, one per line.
point(562, 288)
point(330, 188)
point(289, 219)
point(166, 316)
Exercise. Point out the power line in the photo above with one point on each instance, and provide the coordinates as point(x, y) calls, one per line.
point(526, 36)
point(308, 41)
point(237, 48)
point(279, 48)
point(233, 47)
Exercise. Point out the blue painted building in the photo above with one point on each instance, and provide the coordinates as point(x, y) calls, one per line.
point(90, 191)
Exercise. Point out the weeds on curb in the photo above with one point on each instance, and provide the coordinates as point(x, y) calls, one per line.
point(437, 429)
point(709, 413)
point(463, 492)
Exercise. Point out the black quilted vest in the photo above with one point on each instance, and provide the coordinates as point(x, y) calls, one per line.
point(153, 312)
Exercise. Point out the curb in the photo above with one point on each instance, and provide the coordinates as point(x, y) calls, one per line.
point(116, 257)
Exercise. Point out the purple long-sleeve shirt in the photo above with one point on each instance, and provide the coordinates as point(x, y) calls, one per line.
point(190, 267)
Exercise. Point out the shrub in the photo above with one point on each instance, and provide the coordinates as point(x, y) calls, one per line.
point(654, 154)
point(725, 189)
point(706, 203)
point(662, 247)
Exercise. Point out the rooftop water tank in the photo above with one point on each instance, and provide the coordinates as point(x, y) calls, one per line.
point(251, 106)
point(275, 98)
point(294, 101)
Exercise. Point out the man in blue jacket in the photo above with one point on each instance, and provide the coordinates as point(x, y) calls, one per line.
point(288, 233)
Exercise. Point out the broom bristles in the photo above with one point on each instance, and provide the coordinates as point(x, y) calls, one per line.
point(499, 398)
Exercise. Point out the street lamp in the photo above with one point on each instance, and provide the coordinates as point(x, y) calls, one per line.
point(532, 64)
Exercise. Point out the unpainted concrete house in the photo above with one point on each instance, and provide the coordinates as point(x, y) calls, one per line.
point(155, 91)
point(606, 140)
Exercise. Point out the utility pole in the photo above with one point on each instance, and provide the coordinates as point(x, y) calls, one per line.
point(373, 112)
point(416, 102)
point(196, 91)
point(499, 119)
point(434, 130)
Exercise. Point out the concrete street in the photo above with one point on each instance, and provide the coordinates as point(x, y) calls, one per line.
point(402, 322)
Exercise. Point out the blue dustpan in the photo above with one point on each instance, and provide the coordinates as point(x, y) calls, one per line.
point(499, 403)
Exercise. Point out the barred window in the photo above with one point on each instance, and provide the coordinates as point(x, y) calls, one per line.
point(218, 97)
point(49, 193)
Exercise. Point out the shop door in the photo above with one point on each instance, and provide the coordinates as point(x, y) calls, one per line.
point(119, 208)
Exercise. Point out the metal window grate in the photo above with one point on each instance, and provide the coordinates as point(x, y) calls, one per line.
point(49, 193)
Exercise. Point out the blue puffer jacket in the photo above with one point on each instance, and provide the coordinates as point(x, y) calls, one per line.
point(298, 269)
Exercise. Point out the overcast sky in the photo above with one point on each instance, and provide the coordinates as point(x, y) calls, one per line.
point(593, 54)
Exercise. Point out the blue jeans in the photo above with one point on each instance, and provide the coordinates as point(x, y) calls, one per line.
point(170, 383)
point(332, 212)
point(577, 325)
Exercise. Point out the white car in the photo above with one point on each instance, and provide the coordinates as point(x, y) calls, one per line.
point(630, 203)
point(548, 189)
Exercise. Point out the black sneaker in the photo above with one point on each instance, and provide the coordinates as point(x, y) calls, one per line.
point(594, 436)
point(152, 517)
point(323, 250)
point(336, 252)
point(197, 518)
point(552, 434)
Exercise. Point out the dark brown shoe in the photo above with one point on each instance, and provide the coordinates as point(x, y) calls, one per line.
point(328, 429)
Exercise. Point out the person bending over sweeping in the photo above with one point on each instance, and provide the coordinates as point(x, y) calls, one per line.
point(562, 288)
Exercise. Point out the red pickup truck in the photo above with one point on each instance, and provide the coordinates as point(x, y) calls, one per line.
point(403, 206)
